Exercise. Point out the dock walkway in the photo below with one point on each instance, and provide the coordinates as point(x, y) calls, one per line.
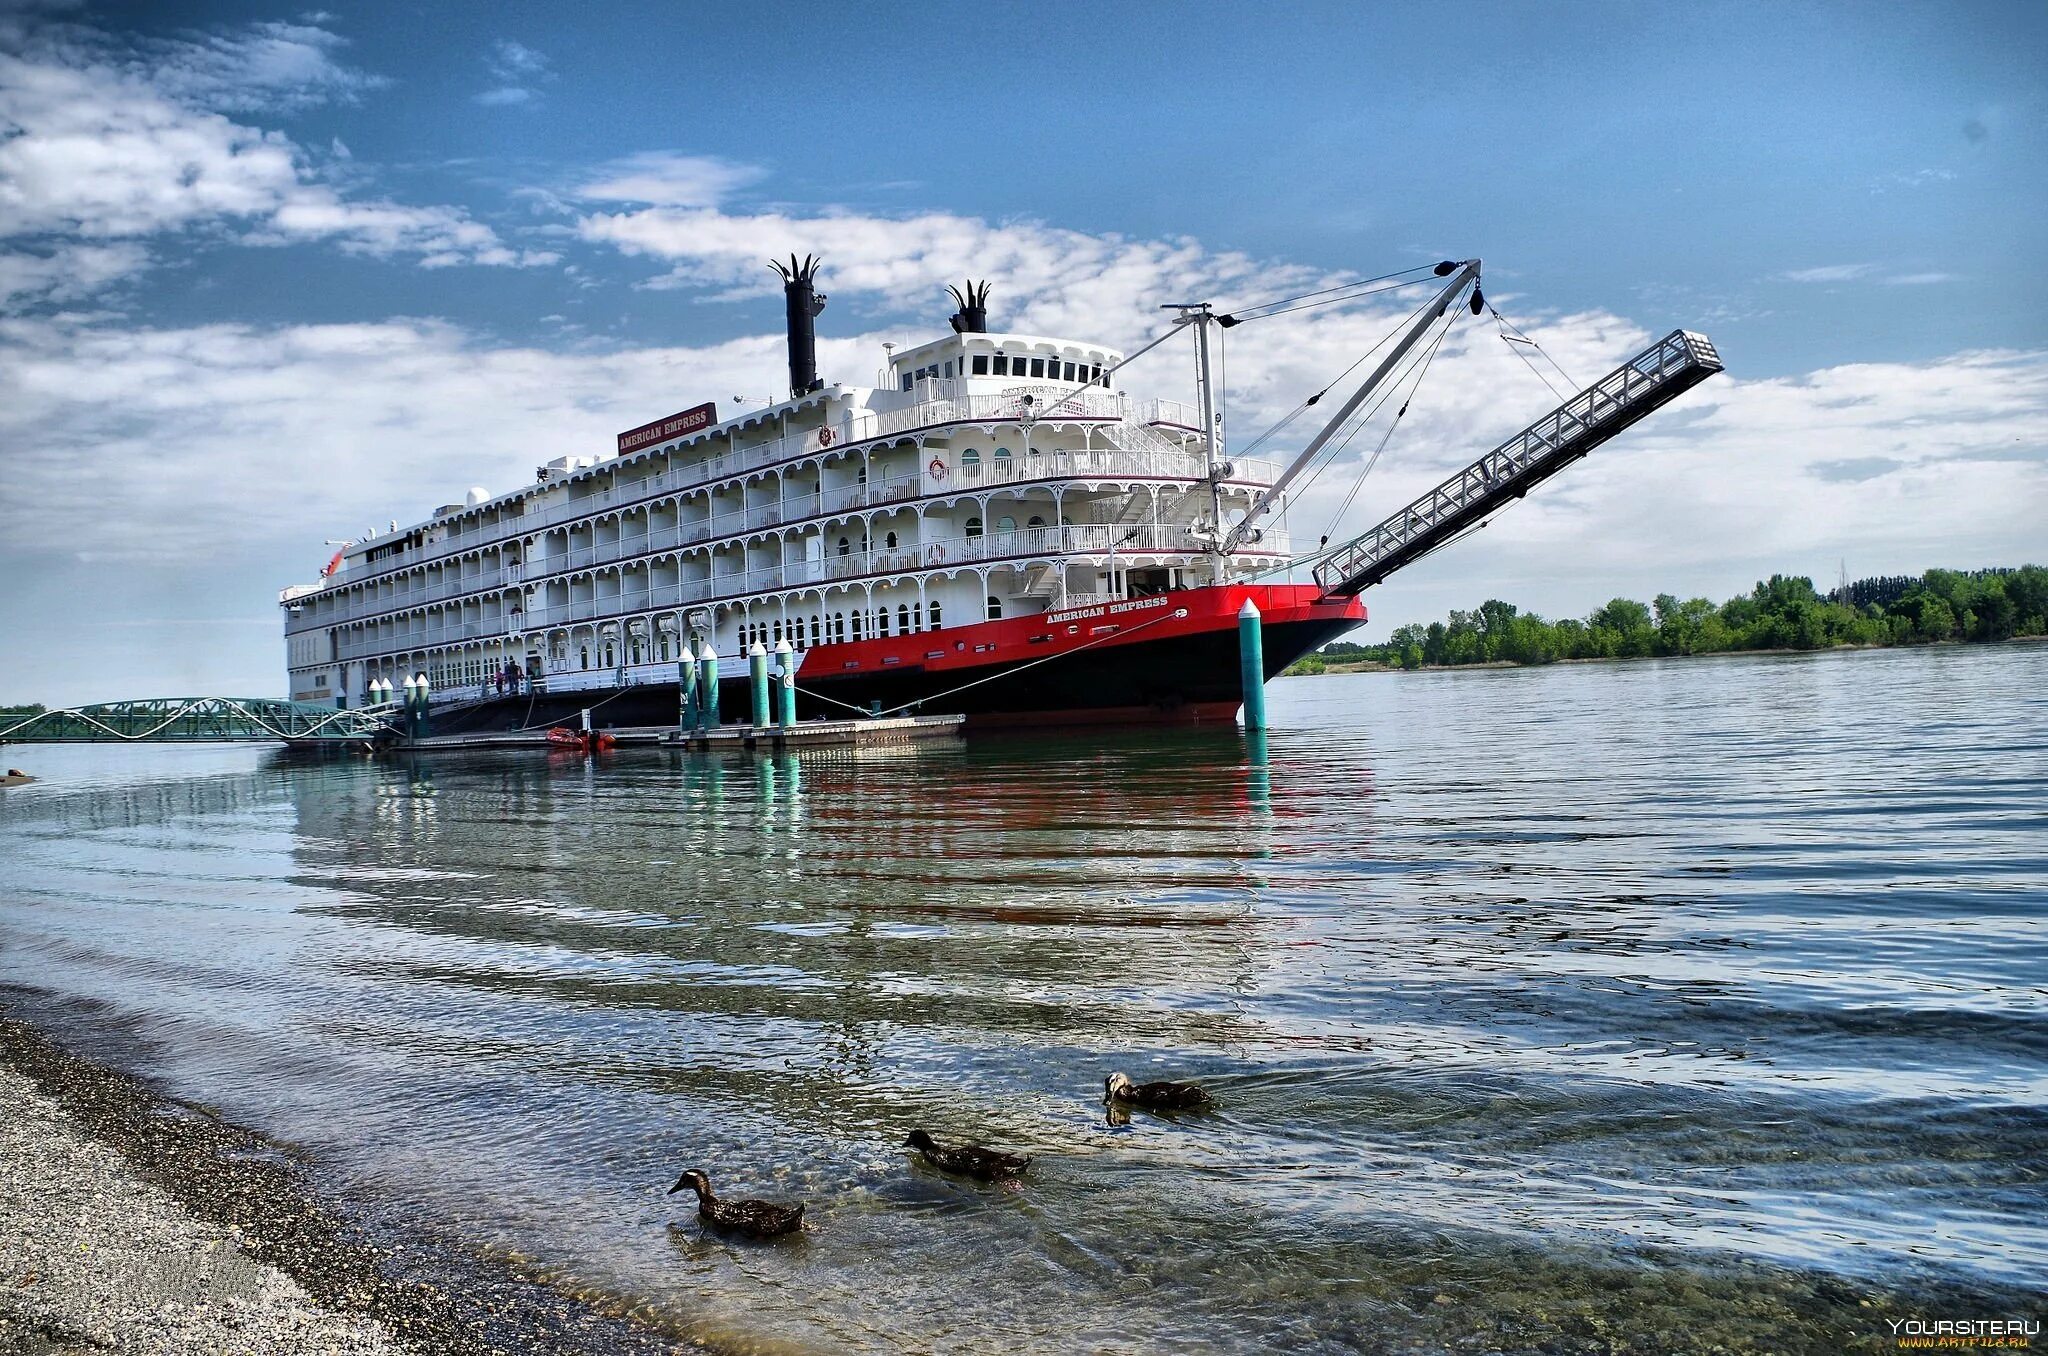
point(835, 734)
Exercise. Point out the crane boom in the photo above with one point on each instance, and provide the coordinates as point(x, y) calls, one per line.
point(1659, 374)
point(1467, 272)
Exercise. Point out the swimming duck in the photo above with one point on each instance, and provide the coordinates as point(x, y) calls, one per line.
point(968, 1160)
point(755, 1219)
point(1118, 1087)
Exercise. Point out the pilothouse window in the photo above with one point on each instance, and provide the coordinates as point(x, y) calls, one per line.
point(981, 364)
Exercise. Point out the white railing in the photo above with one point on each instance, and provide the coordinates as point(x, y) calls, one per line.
point(1085, 539)
point(1162, 461)
point(861, 427)
point(1104, 540)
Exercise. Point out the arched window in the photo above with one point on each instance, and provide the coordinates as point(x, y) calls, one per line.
point(583, 654)
point(890, 541)
point(1002, 454)
point(882, 620)
point(1006, 524)
point(845, 547)
point(995, 608)
point(814, 631)
point(971, 457)
point(903, 619)
point(974, 527)
point(935, 614)
point(856, 626)
point(1035, 521)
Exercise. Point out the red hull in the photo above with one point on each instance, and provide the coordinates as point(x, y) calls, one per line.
point(1166, 659)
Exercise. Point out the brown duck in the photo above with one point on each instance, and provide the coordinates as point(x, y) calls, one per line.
point(968, 1160)
point(755, 1219)
point(1119, 1089)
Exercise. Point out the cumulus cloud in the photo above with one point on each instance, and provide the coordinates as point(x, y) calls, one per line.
point(1827, 273)
point(515, 70)
point(669, 179)
point(1838, 273)
point(263, 66)
point(1048, 279)
point(70, 272)
point(99, 144)
point(290, 434)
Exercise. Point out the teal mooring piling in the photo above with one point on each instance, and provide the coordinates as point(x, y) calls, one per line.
point(785, 666)
point(686, 689)
point(757, 676)
point(1251, 659)
point(707, 687)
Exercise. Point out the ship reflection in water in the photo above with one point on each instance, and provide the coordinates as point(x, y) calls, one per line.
point(1584, 1009)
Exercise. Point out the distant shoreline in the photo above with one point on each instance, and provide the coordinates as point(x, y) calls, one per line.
point(1337, 666)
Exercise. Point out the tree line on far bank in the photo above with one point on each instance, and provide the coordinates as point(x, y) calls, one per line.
point(1784, 612)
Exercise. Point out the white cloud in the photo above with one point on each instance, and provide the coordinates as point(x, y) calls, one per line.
point(1048, 279)
point(1835, 273)
point(261, 66)
point(292, 434)
point(1827, 273)
point(516, 69)
point(67, 272)
point(99, 145)
point(669, 179)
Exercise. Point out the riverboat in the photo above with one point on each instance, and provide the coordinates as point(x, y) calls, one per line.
point(996, 528)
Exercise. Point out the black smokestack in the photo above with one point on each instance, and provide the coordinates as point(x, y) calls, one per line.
point(803, 302)
point(972, 317)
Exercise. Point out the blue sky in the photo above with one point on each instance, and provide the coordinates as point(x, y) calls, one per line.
point(272, 275)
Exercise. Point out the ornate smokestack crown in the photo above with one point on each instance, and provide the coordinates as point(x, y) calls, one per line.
point(972, 317)
point(802, 302)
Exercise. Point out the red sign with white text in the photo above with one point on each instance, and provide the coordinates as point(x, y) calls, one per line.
point(675, 426)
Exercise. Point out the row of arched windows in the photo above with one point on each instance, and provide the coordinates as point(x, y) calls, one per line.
point(833, 628)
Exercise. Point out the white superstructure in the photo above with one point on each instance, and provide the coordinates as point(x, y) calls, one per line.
point(985, 476)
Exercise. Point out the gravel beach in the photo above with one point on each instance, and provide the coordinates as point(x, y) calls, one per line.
point(130, 1222)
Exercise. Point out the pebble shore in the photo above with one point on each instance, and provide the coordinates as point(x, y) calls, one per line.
point(133, 1223)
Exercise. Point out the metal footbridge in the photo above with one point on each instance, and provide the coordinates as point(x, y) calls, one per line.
point(165, 720)
point(1653, 378)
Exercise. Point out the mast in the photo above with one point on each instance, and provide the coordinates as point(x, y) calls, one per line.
point(1467, 272)
point(1198, 314)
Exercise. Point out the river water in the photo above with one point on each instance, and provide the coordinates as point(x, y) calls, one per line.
point(1644, 1006)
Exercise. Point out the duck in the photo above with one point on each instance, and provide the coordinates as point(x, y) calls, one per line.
point(1118, 1087)
point(968, 1160)
point(755, 1219)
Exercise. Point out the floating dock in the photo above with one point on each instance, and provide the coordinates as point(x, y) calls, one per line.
point(887, 732)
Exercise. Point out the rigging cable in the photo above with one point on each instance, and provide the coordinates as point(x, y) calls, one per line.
point(1303, 407)
point(1379, 403)
point(1240, 316)
point(1421, 370)
point(1518, 339)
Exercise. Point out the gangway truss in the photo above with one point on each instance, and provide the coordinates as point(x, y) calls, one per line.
point(1653, 378)
point(199, 719)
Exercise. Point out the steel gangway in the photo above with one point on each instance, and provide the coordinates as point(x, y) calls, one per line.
point(200, 719)
point(1645, 383)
